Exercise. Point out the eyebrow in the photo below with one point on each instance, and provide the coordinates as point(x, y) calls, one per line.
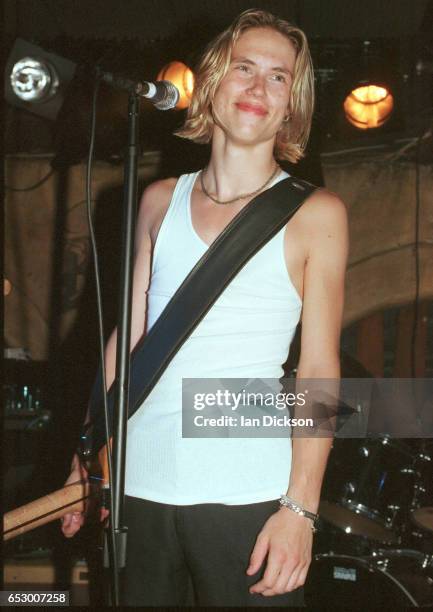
point(245, 60)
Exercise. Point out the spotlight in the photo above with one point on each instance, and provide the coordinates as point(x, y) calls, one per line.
point(33, 80)
point(182, 77)
point(36, 80)
point(368, 106)
point(369, 103)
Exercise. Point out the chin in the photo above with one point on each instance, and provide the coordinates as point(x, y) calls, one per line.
point(246, 134)
point(250, 137)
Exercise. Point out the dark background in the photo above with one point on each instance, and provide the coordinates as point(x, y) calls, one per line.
point(137, 38)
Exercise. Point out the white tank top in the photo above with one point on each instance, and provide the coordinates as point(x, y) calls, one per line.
point(246, 334)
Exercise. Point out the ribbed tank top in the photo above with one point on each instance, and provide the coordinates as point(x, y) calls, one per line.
point(246, 334)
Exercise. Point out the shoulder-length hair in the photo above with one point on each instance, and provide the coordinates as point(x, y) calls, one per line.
point(292, 138)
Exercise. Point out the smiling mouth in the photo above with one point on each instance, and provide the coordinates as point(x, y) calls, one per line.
point(250, 108)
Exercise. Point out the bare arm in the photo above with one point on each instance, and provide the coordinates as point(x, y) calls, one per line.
point(286, 538)
point(153, 206)
point(320, 340)
point(140, 283)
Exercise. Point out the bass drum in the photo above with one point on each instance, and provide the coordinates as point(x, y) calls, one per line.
point(399, 579)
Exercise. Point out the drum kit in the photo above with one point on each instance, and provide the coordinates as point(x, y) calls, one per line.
point(374, 547)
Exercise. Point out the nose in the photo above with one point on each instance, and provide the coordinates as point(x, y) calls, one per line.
point(257, 85)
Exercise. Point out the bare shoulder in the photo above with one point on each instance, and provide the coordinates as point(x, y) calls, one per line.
point(323, 215)
point(323, 225)
point(324, 206)
point(157, 195)
point(153, 206)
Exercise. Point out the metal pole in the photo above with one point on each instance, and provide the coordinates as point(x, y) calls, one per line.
point(124, 339)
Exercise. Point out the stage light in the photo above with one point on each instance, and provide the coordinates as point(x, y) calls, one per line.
point(368, 99)
point(368, 106)
point(182, 77)
point(33, 80)
point(36, 79)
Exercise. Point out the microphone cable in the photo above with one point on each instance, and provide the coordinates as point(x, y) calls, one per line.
point(31, 187)
point(113, 547)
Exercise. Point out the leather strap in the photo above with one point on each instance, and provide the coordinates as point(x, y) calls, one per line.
point(248, 232)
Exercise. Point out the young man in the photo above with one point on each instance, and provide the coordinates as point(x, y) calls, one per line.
point(205, 512)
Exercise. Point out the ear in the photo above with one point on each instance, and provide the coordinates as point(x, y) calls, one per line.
point(288, 114)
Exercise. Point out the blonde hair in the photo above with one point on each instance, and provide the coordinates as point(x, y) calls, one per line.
point(292, 138)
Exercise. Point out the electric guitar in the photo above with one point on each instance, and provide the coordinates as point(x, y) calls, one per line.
point(74, 497)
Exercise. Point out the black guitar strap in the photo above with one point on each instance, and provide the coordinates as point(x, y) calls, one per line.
point(245, 235)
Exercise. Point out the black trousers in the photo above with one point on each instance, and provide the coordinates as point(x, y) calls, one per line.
point(194, 555)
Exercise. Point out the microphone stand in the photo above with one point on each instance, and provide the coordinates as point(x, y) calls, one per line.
point(117, 487)
point(164, 96)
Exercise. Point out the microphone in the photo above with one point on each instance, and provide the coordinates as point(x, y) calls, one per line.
point(163, 94)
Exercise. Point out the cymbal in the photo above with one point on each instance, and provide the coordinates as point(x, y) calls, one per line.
point(423, 517)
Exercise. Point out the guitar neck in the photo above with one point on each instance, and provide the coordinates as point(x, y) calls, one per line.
point(45, 509)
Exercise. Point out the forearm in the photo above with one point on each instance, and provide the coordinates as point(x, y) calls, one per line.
point(110, 367)
point(310, 454)
point(137, 329)
point(110, 371)
point(309, 457)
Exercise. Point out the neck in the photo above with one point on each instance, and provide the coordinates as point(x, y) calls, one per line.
point(233, 170)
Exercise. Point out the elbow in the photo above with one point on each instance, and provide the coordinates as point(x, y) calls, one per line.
point(328, 366)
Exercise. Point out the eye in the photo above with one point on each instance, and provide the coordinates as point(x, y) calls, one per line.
point(280, 78)
point(243, 67)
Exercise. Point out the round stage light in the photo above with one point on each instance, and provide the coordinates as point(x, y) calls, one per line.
point(369, 106)
point(33, 80)
point(182, 77)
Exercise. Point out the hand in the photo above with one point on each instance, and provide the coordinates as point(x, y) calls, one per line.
point(287, 539)
point(71, 522)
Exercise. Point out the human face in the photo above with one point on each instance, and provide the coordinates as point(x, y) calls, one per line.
point(253, 97)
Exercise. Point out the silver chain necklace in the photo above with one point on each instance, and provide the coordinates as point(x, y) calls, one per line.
point(244, 195)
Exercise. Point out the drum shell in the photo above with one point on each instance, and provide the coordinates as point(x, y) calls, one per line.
point(370, 582)
point(375, 480)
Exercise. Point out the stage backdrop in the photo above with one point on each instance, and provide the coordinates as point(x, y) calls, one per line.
point(47, 277)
